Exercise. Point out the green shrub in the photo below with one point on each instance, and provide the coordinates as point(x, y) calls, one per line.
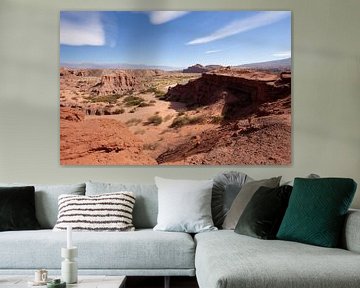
point(181, 113)
point(133, 122)
point(155, 120)
point(144, 104)
point(216, 119)
point(151, 90)
point(180, 121)
point(118, 111)
point(167, 117)
point(158, 93)
point(111, 99)
point(196, 120)
point(133, 101)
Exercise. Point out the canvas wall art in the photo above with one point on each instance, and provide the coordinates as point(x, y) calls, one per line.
point(175, 87)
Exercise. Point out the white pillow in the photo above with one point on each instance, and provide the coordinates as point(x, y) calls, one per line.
point(184, 205)
point(104, 212)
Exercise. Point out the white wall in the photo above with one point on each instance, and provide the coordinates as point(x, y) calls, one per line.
point(326, 91)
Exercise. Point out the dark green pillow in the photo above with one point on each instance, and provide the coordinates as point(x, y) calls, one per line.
point(17, 208)
point(316, 211)
point(263, 214)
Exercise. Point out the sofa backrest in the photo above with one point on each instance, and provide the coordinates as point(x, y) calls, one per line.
point(146, 203)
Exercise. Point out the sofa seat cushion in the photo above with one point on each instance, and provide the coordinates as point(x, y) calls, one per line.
point(141, 249)
point(225, 259)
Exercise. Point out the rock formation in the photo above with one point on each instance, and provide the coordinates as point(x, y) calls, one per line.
point(114, 83)
point(100, 82)
point(263, 137)
point(239, 88)
point(98, 141)
point(198, 68)
point(71, 114)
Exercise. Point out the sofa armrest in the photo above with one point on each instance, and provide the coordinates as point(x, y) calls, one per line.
point(351, 234)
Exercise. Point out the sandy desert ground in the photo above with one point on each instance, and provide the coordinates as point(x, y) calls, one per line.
point(154, 117)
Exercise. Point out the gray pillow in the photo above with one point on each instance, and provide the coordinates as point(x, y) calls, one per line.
point(243, 198)
point(226, 187)
point(46, 200)
point(146, 206)
point(184, 205)
point(310, 176)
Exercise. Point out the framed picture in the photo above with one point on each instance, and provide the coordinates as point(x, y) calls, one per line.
point(175, 88)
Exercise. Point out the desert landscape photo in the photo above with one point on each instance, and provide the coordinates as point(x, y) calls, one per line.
point(175, 88)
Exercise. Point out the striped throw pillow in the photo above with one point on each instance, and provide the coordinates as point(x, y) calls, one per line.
point(105, 212)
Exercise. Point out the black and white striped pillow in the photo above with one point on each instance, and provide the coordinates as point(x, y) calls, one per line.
point(105, 212)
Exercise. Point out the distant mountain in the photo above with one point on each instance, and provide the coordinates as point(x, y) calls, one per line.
point(117, 66)
point(198, 68)
point(282, 64)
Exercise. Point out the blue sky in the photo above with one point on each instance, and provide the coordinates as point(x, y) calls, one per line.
point(174, 38)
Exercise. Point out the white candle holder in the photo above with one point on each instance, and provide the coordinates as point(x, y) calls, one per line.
point(69, 270)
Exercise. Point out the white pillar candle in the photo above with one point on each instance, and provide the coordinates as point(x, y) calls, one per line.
point(69, 237)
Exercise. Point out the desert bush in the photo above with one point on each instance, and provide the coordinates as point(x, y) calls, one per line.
point(144, 104)
point(196, 120)
point(181, 113)
point(167, 117)
point(216, 119)
point(133, 101)
point(118, 111)
point(111, 99)
point(158, 93)
point(155, 120)
point(151, 90)
point(133, 122)
point(180, 121)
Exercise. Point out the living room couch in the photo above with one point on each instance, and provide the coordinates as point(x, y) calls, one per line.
point(219, 259)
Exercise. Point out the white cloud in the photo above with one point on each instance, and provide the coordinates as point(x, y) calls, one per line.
point(283, 54)
point(212, 51)
point(161, 17)
point(82, 28)
point(239, 26)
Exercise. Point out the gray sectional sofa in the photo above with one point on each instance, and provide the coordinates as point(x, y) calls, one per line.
point(219, 259)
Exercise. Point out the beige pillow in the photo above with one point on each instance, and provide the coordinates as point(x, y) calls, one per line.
point(243, 198)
